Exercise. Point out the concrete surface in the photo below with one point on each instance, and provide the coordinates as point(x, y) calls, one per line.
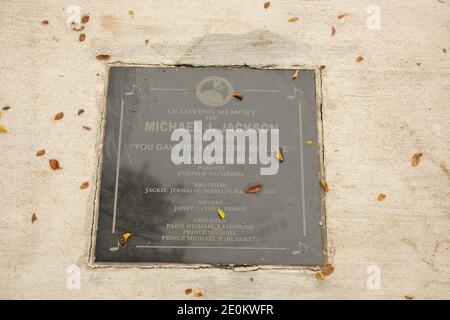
point(377, 114)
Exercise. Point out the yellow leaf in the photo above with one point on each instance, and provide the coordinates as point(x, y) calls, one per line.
point(320, 275)
point(415, 159)
point(2, 129)
point(221, 213)
point(127, 235)
point(198, 293)
point(279, 154)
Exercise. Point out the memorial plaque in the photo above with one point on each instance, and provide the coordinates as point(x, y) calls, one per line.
point(210, 166)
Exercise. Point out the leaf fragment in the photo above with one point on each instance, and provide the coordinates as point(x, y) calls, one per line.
point(320, 275)
point(293, 19)
point(279, 154)
point(221, 213)
point(54, 164)
point(254, 189)
point(343, 15)
point(77, 27)
point(33, 218)
point(59, 116)
point(415, 159)
point(266, 5)
point(409, 296)
point(327, 269)
point(238, 95)
point(82, 37)
point(198, 293)
point(87, 128)
point(85, 18)
point(444, 50)
point(103, 57)
point(333, 31)
point(322, 67)
point(44, 22)
point(40, 153)
point(359, 59)
point(6, 108)
point(122, 241)
point(84, 185)
point(381, 197)
point(188, 291)
point(296, 73)
point(80, 111)
point(3, 129)
point(324, 185)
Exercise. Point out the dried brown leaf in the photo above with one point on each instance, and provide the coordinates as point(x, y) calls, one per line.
point(33, 217)
point(322, 67)
point(87, 128)
point(409, 296)
point(84, 185)
point(40, 153)
point(293, 19)
point(82, 37)
point(80, 111)
point(44, 21)
point(324, 185)
point(6, 108)
point(238, 95)
point(254, 189)
point(444, 50)
point(54, 164)
point(85, 19)
point(381, 197)
point(103, 57)
point(59, 116)
point(359, 59)
point(266, 5)
point(415, 159)
point(333, 31)
point(188, 291)
point(252, 279)
point(327, 269)
point(343, 15)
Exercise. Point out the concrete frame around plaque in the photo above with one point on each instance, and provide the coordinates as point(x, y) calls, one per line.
point(282, 226)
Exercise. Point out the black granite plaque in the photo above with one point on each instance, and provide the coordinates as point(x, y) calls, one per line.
point(154, 210)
